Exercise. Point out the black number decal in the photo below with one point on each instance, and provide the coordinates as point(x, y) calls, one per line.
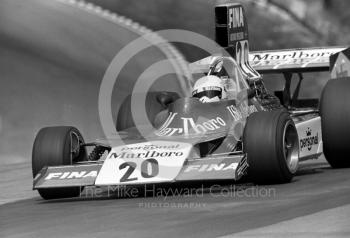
point(145, 173)
point(239, 54)
point(131, 167)
point(154, 168)
point(242, 58)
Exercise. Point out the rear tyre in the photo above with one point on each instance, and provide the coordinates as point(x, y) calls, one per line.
point(335, 115)
point(57, 146)
point(271, 142)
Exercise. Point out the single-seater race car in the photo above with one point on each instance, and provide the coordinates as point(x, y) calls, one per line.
point(250, 133)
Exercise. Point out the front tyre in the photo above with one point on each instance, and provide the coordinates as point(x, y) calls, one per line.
point(54, 146)
point(335, 120)
point(271, 142)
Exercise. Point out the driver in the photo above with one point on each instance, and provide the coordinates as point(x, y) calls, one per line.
point(209, 88)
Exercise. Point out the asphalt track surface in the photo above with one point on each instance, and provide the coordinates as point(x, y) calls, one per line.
point(315, 204)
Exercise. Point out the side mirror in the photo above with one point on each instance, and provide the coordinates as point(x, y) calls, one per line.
point(251, 93)
point(246, 94)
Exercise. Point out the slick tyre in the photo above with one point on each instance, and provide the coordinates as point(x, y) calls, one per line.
point(335, 119)
point(271, 142)
point(54, 146)
point(154, 104)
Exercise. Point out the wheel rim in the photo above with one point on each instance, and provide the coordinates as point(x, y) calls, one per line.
point(74, 146)
point(291, 147)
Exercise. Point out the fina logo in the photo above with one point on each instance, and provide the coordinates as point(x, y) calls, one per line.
point(236, 17)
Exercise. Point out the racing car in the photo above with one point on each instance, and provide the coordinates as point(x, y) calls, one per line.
point(251, 133)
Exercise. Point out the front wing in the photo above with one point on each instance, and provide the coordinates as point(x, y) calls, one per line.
point(211, 168)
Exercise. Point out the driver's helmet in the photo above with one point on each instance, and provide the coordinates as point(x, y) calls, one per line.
point(209, 89)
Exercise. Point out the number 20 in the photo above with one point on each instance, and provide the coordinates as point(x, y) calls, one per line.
point(131, 166)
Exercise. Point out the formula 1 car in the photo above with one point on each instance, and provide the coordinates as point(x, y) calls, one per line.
point(252, 133)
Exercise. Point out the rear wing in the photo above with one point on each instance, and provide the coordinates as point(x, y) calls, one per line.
point(293, 60)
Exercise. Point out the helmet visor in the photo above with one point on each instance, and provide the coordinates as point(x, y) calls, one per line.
point(208, 93)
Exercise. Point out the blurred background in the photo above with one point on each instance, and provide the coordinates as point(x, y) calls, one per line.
point(53, 56)
point(273, 24)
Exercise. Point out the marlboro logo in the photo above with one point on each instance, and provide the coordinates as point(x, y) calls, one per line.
point(189, 126)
